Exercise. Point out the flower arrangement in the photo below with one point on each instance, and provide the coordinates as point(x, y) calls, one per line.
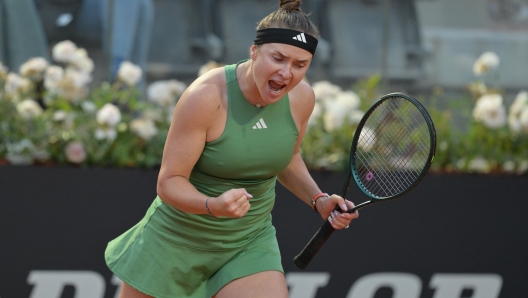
point(48, 114)
point(494, 138)
point(477, 134)
point(331, 127)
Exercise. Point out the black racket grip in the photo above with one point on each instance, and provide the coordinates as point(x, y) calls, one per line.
point(318, 240)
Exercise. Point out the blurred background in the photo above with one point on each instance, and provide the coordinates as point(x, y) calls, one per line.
point(87, 90)
point(416, 44)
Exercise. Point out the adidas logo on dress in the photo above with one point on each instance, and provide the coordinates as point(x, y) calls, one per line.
point(260, 124)
point(300, 37)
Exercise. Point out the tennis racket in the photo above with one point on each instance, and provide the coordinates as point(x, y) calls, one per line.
point(393, 147)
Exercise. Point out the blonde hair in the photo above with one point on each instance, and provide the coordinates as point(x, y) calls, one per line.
point(289, 16)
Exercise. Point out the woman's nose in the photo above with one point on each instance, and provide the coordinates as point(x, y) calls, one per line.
point(285, 72)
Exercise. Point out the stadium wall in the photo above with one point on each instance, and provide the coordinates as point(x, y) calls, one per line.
point(453, 236)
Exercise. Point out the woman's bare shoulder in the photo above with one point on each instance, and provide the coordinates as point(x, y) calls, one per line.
point(206, 89)
point(204, 96)
point(302, 98)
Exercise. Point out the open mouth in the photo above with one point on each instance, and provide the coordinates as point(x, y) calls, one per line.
point(276, 87)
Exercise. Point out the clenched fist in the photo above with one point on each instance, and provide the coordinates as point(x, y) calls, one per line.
point(233, 203)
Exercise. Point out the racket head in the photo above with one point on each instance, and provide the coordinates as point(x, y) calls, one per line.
point(393, 147)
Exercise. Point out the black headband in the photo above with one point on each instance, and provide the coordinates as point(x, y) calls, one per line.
point(287, 36)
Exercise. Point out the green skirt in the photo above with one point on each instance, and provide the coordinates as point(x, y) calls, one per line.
point(157, 266)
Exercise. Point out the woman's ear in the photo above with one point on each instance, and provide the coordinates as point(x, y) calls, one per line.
point(253, 52)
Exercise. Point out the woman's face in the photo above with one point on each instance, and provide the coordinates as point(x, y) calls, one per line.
point(277, 68)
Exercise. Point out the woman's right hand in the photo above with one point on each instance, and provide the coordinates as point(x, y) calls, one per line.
point(233, 203)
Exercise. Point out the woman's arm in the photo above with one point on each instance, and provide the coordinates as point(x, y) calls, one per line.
point(199, 108)
point(296, 176)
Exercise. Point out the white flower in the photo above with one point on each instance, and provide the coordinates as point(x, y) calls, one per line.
point(367, 138)
point(490, 111)
point(339, 108)
point(83, 64)
point(73, 86)
point(486, 62)
point(520, 103)
point(88, 106)
point(29, 109)
point(109, 115)
point(70, 92)
point(19, 159)
point(144, 128)
point(106, 133)
point(53, 76)
point(349, 100)
point(479, 165)
point(75, 152)
point(80, 53)
point(478, 87)
point(34, 68)
point(15, 84)
point(129, 73)
point(81, 61)
point(460, 164)
point(165, 93)
point(159, 93)
point(334, 116)
point(59, 115)
point(523, 120)
point(514, 123)
point(78, 78)
point(523, 167)
point(64, 51)
point(508, 166)
point(20, 153)
point(517, 119)
point(324, 90)
point(316, 113)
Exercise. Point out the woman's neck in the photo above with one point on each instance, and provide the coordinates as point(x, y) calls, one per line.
point(247, 83)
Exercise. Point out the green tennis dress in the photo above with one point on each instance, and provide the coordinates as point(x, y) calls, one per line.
point(171, 253)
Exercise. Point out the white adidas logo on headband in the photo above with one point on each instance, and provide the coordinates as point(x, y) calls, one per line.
point(300, 37)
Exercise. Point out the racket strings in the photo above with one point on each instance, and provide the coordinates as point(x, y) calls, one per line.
point(388, 181)
point(392, 148)
point(386, 184)
point(403, 158)
point(395, 148)
point(406, 115)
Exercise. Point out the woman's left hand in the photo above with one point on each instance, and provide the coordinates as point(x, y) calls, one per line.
point(326, 207)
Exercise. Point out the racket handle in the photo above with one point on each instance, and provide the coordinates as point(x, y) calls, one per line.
point(318, 240)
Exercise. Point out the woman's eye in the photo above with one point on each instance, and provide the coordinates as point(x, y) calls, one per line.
point(277, 58)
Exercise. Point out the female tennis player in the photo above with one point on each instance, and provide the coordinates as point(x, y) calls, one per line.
point(235, 131)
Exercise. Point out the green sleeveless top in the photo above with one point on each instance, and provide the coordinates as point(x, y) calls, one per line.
point(257, 144)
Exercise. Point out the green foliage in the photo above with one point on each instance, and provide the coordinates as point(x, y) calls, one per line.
point(474, 131)
point(49, 115)
point(52, 128)
point(468, 142)
point(326, 146)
